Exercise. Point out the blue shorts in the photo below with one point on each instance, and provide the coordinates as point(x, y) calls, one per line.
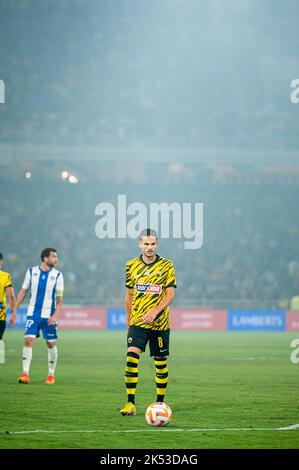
point(34, 325)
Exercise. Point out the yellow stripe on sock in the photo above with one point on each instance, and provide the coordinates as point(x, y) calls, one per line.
point(160, 363)
point(162, 371)
point(131, 369)
point(131, 380)
point(132, 359)
point(161, 381)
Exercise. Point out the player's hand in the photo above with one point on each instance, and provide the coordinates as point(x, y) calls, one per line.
point(149, 317)
point(12, 319)
point(52, 320)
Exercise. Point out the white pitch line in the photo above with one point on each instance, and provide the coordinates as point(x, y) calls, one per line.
point(118, 431)
point(288, 428)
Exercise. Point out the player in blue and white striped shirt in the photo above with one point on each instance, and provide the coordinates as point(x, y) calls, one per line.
point(46, 285)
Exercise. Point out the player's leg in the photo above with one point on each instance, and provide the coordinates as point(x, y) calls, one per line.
point(31, 332)
point(50, 335)
point(159, 347)
point(27, 356)
point(136, 339)
point(52, 362)
point(2, 347)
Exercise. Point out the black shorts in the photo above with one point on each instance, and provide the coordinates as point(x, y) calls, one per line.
point(158, 340)
point(2, 328)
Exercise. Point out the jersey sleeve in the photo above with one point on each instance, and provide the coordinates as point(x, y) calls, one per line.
point(60, 285)
point(27, 280)
point(8, 282)
point(129, 282)
point(170, 280)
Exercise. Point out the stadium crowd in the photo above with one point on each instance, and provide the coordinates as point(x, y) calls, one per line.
point(249, 257)
point(90, 82)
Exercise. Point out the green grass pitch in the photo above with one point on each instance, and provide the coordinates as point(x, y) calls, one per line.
point(228, 382)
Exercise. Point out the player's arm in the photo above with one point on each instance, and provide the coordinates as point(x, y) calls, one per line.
point(12, 302)
point(20, 298)
point(53, 319)
point(151, 315)
point(21, 295)
point(59, 297)
point(129, 301)
point(129, 293)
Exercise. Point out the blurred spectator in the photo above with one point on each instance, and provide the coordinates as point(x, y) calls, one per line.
point(249, 256)
point(295, 303)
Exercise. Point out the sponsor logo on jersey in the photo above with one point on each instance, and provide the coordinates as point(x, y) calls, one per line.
point(144, 288)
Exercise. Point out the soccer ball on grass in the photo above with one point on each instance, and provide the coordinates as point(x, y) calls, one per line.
point(158, 414)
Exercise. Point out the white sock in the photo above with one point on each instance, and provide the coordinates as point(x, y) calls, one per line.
point(27, 356)
point(2, 352)
point(52, 359)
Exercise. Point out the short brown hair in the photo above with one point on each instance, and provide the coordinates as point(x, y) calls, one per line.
point(148, 232)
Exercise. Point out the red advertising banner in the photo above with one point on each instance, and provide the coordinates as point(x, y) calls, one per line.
point(192, 318)
point(82, 318)
point(292, 321)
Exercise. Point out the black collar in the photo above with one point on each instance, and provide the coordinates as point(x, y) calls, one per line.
point(150, 264)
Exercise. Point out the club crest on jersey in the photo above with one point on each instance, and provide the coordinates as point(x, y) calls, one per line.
point(144, 288)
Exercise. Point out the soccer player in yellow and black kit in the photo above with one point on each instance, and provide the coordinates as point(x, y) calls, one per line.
point(5, 288)
point(150, 284)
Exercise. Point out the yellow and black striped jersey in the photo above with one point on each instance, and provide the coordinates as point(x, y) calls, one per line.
point(5, 281)
point(149, 282)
